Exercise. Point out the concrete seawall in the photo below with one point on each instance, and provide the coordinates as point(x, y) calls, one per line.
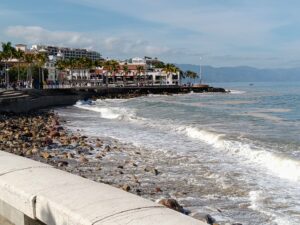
point(38, 99)
point(32, 193)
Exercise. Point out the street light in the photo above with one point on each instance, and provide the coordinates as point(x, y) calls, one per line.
point(7, 77)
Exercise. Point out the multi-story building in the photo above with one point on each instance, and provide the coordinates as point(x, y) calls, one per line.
point(68, 53)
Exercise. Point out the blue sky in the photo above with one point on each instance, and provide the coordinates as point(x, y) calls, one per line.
point(260, 33)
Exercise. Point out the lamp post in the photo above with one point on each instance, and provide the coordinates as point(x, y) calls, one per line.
point(7, 77)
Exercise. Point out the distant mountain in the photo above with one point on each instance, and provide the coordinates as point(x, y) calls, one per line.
point(243, 74)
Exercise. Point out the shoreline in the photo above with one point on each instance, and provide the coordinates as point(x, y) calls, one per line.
point(44, 136)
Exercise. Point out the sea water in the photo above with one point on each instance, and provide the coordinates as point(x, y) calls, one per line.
point(243, 148)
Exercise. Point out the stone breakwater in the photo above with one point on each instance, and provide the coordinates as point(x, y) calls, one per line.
point(41, 136)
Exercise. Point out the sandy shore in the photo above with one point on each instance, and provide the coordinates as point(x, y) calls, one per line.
point(42, 136)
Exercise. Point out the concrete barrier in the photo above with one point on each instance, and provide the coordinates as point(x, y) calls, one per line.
point(34, 193)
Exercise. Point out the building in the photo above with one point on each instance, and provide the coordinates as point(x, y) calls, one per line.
point(21, 47)
point(67, 53)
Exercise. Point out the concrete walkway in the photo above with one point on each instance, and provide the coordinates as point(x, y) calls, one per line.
point(11, 94)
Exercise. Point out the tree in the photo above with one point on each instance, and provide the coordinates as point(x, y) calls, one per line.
point(19, 55)
point(98, 63)
point(140, 69)
point(126, 71)
point(170, 69)
point(7, 54)
point(29, 59)
point(41, 59)
point(158, 64)
point(112, 67)
point(191, 74)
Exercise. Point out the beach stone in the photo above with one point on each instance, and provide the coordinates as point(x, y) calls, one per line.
point(83, 159)
point(28, 152)
point(70, 155)
point(98, 145)
point(99, 155)
point(126, 187)
point(35, 150)
point(203, 217)
point(155, 171)
point(54, 134)
point(107, 148)
point(172, 204)
point(157, 189)
point(62, 163)
point(45, 155)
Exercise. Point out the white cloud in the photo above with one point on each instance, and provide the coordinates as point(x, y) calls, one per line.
point(37, 35)
point(113, 46)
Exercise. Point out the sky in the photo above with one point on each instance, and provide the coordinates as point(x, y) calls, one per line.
point(258, 33)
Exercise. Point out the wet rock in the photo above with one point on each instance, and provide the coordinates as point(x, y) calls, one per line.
point(35, 150)
point(155, 171)
point(70, 155)
point(62, 163)
point(126, 187)
point(157, 189)
point(203, 217)
point(46, 155)
point(172, 204)
point(83, 159)
point(54, 134)
point(107, 148)
point(98, 145)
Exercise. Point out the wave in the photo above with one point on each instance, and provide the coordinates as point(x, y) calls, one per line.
point(281, 166)
point(237, 92)
point(107, 112)
point(257, 202)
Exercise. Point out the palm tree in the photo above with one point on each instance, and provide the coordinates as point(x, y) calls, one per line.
point(169, 69)
point(61, 65)
point(98, 63)
point(112, 67)
point(191, 74)
point(19, 55)
point(126, 71)
point(140, 69)
point(7, 54)
point(29, 59)
point(71, 65)
point(41, 59)
point(108, 68)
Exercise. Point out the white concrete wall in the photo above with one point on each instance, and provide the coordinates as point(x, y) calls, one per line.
point(59, 198)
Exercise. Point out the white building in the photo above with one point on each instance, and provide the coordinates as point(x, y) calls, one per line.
point(68, 52)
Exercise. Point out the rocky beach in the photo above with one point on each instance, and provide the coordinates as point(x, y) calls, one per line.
point(42, 136)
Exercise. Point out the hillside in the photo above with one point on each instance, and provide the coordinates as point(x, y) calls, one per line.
point(243, 74)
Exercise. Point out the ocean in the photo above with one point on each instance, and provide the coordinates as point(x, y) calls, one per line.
point(242, 149)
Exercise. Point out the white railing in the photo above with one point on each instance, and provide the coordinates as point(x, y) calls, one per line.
point(55, 197)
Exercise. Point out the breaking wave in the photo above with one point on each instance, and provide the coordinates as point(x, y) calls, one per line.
point(279, 165)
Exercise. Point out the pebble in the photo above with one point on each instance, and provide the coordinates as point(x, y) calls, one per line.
point(126, 187)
